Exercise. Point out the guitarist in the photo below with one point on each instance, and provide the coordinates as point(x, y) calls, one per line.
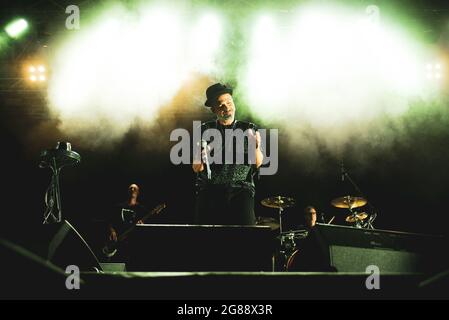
point(127, 213)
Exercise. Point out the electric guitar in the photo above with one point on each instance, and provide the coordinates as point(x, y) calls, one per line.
point(111, 247)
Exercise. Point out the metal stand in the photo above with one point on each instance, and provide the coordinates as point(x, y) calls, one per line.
point(359, 224)
point(53, 211)
point(280, 220)
point(56, 159)
point(281, 254)
point(287, 242)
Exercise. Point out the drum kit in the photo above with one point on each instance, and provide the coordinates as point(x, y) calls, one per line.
point(346, 202)
point(349, 202)
point(289, 239)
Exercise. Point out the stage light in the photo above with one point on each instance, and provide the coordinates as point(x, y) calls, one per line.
point(36, 73)
point(209, 26)
point(434, 71)
point(16, 28)
point(140, 63)
point(267, 64)
point(329, 64)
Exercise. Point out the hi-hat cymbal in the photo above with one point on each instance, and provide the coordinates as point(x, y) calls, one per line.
point(278, 202)
point(349, 202)
point(356, 217)
point(268, 221)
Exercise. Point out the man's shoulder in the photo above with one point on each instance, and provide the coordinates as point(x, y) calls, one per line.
point(126, 205)
point(209, 124)
point(240, 124)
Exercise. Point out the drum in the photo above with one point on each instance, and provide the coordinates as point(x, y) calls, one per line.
point(293, 261)
point(308, 257)
point(288, 262)
point(288, 248)
point(289, 239)
point(279, 261)
point(297, 259)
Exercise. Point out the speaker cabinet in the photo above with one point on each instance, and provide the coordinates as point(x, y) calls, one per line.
point(25, 275)
point(350, 249)
point(63, 245)
point(200, 248)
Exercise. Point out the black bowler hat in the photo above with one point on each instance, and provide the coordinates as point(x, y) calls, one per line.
point(214, 91)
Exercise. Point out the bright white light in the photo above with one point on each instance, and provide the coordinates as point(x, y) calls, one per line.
point(33, 78)
point(433, 71)
point(121, 69)
point(42, 78)
point(205, 38)
point(327, 65)
point(16, 28)
point(32, 69)
point(267, 68)
point(41, 68)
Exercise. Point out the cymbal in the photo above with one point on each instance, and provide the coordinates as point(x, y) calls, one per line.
point(268, 221)
point(358, 216)
point(278, 202)
point(349, 202)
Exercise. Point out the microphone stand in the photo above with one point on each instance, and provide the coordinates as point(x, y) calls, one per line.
point(356, 187)
point(55, 159)
point(346, 175)
point(53, 196)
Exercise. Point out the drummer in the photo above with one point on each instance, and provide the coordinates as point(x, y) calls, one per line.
point(294, 221)
point(310, 256)
point(310, 217)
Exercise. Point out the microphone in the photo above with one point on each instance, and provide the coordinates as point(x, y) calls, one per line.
point(204, 147)
point(205, 158)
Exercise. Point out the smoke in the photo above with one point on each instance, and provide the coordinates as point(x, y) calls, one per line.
point(333, 80)
point(126, 67)
point(329, 78)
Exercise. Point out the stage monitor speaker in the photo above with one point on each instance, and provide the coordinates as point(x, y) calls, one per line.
point(200, 248)
point(25, 275)
point(62, 244)
point(350, 249)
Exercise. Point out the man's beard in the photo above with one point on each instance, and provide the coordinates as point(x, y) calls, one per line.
point(225, 116)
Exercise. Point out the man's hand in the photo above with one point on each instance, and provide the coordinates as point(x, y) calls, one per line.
point(113, 235)
point(255, 136)
point(198, 162)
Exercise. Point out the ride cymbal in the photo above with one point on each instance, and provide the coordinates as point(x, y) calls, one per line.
point(349, 202)
point(278, 202)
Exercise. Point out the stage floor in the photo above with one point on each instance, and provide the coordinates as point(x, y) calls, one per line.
point(257, 285)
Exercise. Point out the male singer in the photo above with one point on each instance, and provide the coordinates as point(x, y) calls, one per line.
point(226, 195)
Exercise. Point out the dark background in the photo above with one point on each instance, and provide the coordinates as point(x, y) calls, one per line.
point(406, 181)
